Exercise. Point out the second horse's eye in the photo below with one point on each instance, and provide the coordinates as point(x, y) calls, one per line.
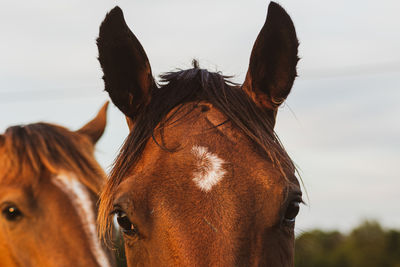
point(11, 213)
point(126, 225)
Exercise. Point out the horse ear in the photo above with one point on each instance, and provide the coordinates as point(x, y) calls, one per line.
point(2, 139)
point(273, 60)
point(94, 129)
point(127, 73)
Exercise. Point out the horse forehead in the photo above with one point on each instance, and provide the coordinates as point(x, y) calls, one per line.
point(211, 155)
point(201, 169)
point(209, 142)
point(82, 201)
point(200, 174)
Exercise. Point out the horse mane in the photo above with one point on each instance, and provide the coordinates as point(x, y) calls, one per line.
point(177, 89)
point(32, 149)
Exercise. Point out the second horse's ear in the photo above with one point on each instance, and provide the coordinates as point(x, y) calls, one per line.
point(273, 60)
point(127, 73)
point(94, 129)
point(2, 139)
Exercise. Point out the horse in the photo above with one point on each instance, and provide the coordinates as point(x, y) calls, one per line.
point(202, 179)
point(49, 187)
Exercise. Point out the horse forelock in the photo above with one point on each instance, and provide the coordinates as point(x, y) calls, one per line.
point(177, 89)
point(29, 151)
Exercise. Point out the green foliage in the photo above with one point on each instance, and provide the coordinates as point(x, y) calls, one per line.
point(368, 245)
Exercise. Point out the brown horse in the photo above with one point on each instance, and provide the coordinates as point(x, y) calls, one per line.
point(202, 179)
point(49, 186)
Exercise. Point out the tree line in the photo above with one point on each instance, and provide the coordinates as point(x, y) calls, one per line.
point(367, 245)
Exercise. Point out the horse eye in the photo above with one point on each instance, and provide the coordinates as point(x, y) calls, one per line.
point(11, 213)
point(126, 225)
point(291, 212)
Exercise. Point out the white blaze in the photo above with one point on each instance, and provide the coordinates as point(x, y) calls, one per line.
point(209, 169)
point(82, 202)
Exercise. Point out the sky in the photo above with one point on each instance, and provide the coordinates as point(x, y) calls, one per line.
point(340, 124)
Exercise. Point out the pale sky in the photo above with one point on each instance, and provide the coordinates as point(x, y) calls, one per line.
point(340, 124)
